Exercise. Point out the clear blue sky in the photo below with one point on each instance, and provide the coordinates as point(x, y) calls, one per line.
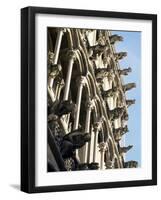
point(132, 45)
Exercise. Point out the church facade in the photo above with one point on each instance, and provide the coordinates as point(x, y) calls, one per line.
point(87, 103)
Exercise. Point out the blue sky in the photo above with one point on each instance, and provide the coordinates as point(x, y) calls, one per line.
point(132, 45)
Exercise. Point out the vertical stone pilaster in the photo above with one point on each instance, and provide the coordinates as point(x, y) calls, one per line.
point(72, 57)
point(60, 33)
point(102, 147)
point(97, 127)
point(54, 62)
point(81, 82)
point(87, 129)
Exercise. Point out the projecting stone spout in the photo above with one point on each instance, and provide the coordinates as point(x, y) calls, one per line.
point(93, 165)
point(115, 38)
point(116, 113)
point(125, 149)
point(131, 164)
point(125, 116)
point(130, 102)
point(119, 132)
point(129, 86)
point(122, 130)
point(72, 141)
point(97, 50)
point(120, 55)
point(125, 71)
point(62, 108)
point(110, 92)
point(102, 72)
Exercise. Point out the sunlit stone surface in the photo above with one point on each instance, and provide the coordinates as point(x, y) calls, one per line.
point(87, 105)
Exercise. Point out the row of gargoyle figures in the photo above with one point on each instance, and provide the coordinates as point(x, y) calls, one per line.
point(109, 71)
point(69, 143)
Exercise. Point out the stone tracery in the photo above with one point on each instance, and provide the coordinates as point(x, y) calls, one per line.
point(87, 106)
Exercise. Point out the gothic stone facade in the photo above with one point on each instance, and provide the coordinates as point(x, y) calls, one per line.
point(87, 105)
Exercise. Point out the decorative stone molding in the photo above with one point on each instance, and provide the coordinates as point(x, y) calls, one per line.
point(71, 54)
point(91, 70)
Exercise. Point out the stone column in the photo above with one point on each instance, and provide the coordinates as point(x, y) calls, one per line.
point(72, 57)
point(60, 85)
point(87, 129)
point(108, 161)
point(102, 147)
point(57, 45)
point(81, 83)
point(54, 63)
point(53, 74)
point(97, 127)
point(90, 146)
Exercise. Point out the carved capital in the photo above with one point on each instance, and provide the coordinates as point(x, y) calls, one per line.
point(71, 54)
point(63, 30)
point(102, 146)
point(50, 58)
point(131, 164)
point(90, 104)
point(60, 82)
point(109, 164)
point(97, 125)
point(81, 80)
point(55, 70)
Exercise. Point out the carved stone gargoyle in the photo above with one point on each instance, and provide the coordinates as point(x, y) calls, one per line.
point(72, 141)
point(129, 86)
point(50, 58)
point(119, 132)
point(97, 50)
point(122, 130)
point(125, 149)
point(121, 55)
point(62, 108)
point(130, 102)
point(82, 166)
point(93, 166)
point(55, 70)
point(102, 72)
point(131, 164)
point(125, 129)
point(116, 113)
point(125, 116)
point(115, 38)
point(110, 92)
point(125, 71)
